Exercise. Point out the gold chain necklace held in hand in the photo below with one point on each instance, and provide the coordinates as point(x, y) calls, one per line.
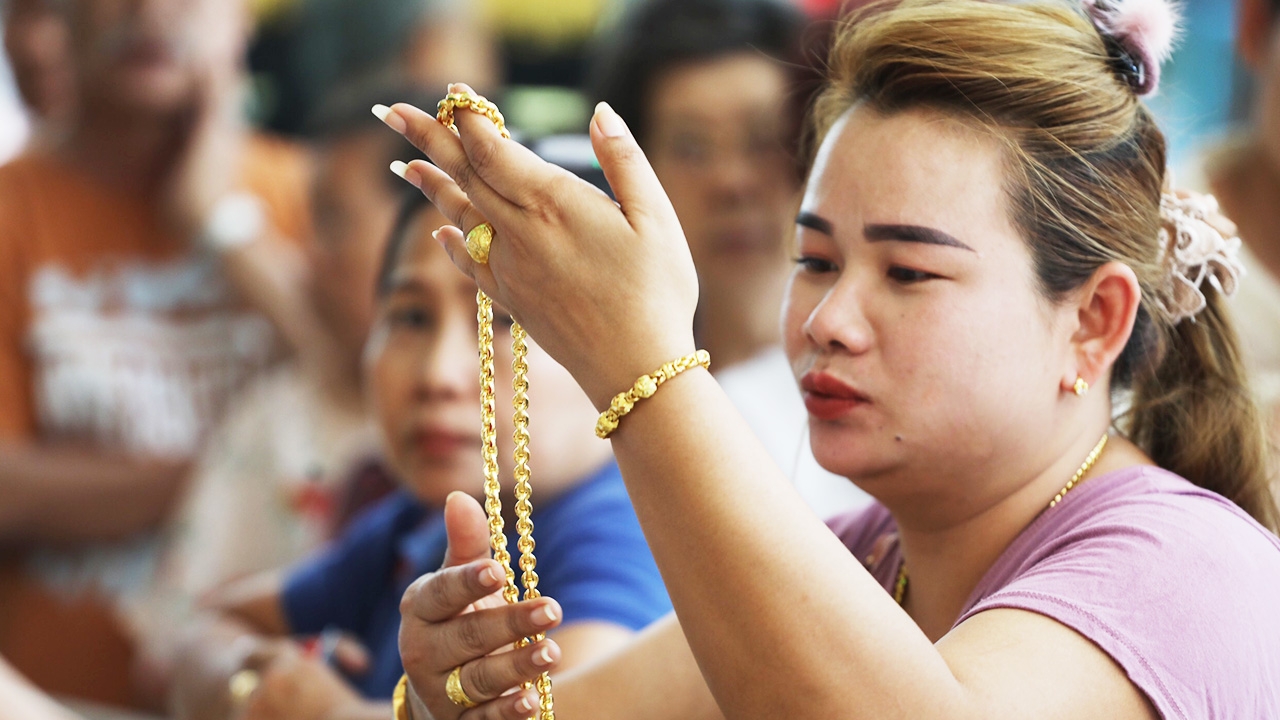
point(900, 585)
point(489, 428)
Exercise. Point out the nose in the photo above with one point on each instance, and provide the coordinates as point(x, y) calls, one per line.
point(839, 323)
point(735, 178)
point(449, 369)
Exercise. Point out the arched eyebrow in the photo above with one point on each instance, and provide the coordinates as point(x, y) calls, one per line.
point(911, 233)
point(814, 222)
point(883, 233)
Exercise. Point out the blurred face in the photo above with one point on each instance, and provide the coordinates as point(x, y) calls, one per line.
point(925, 353)
point(716, 140)
point(355, 210)
point(35, 39)
point(422, 369)
point(156, 54)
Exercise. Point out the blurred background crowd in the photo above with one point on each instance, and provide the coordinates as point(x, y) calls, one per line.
point(230, 382)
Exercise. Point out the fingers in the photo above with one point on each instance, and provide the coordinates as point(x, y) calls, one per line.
point(446, 151)
point(517, 706)
point(350, 655)
point(479, 633)
point(441, 190)
point(513, 170)
point(467, 528)
point(625, 166)
point(443, 594)
point(488, 678)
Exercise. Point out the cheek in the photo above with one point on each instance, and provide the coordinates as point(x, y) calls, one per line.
point(389, 385)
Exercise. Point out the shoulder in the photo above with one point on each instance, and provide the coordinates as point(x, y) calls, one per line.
point(1175, 583)
point(596, 497)
point(386, 520)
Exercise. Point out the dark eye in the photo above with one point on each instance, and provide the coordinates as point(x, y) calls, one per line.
point(815, 265)
point(908, 276)
point(410, 318)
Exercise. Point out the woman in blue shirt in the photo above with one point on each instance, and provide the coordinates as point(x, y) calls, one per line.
point(422, 369)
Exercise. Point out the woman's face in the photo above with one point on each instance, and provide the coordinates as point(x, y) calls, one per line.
point(912, 319)
point(716, 138)
point(422, 369)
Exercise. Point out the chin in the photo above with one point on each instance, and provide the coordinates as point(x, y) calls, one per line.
point(859, 459)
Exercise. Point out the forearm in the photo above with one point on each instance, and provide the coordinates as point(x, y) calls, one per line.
point(783, 620)
point(69, 495)
point(653, 677)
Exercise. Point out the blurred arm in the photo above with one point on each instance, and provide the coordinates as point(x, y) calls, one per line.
point(65, 494)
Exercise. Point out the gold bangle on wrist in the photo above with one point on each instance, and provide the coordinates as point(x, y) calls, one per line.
point(644, 387)
point(400, 700)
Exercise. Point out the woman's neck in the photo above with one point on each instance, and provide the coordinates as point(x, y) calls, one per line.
point(947, 558)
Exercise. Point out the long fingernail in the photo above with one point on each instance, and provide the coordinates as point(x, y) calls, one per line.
point(543, 658)
point(402, 169)
point(391, 118)
point(544, 616)
point(525, 704)
point(488, 576)
point(610, 122)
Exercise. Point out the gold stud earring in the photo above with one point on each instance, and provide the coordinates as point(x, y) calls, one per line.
point(1080, 387)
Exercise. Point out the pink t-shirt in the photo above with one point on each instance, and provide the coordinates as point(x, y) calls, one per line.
point(1177, 584)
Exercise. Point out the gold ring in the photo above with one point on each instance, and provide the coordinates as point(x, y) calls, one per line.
point(242, 684)
point(478, 241)
point(453, 688)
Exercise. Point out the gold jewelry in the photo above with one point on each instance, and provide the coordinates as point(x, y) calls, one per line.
point(644, 387)
point(453, 688)
point(900, 585)
point(481, 236)
point(242, 685)
point(489, 429)
point(400, 700)
point(478, 242)
point(1088, 463)
point(1080, 387)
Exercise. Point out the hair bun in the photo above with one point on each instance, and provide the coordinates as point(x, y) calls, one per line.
point(1140, 35)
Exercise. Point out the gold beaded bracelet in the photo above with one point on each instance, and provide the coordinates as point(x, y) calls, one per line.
point(645, 387)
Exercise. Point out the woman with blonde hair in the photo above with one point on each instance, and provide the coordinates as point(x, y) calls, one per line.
point(986, 257)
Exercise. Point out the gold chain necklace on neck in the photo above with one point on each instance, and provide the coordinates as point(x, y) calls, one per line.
point(489, 428)
point(900, 585)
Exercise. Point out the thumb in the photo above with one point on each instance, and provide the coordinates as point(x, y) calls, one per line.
point(635, 186)
point(468, 530)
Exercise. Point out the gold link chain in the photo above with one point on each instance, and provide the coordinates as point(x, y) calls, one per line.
point(489, 434)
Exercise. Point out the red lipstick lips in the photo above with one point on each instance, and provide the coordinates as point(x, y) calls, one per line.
point(828, 398)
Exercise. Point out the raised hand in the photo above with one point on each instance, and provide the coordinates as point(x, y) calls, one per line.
point(456, 618)
point(609, 290)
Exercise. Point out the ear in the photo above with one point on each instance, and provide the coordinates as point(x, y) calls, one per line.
point(1106, 308)
point(1253, 32)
